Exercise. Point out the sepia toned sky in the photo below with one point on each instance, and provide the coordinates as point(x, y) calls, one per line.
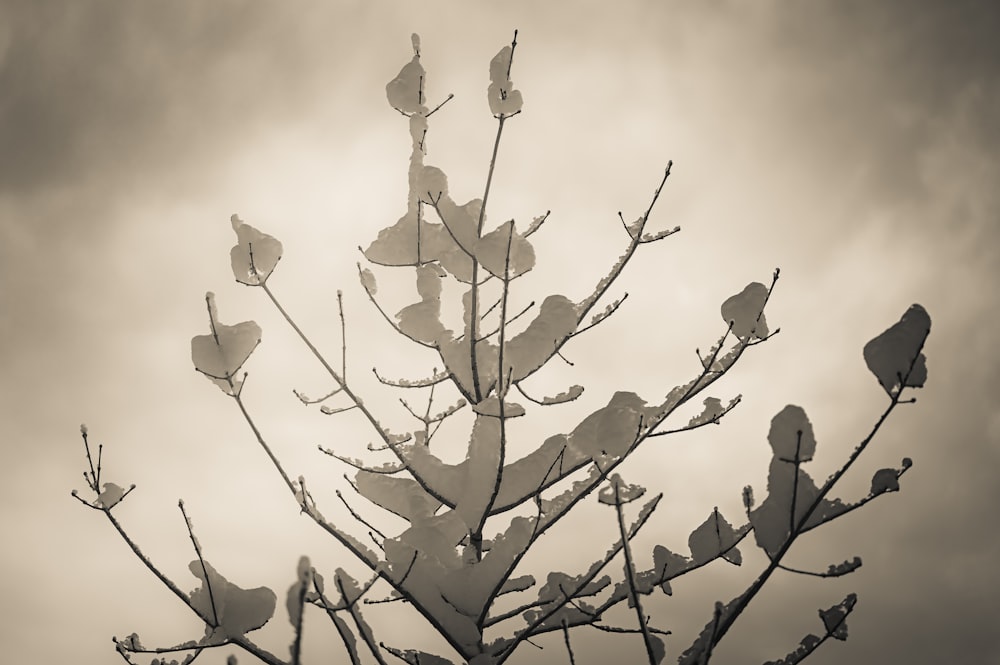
point(852, 144)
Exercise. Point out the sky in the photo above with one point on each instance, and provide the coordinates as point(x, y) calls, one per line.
point(852, 144)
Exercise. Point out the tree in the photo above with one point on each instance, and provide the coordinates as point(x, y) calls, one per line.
point(469, 525)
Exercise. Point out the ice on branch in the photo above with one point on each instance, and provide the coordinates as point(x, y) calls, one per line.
point(221, 354)
point(255, 254)
point(228, 610)
point(891, 355)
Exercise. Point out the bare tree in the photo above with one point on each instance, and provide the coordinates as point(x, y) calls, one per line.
point(470, 524)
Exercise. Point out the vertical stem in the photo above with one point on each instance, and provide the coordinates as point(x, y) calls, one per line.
point(473, 331)
point(502, 388)
point(629, 575)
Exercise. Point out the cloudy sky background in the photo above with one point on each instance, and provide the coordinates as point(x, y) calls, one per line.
point(853, 144)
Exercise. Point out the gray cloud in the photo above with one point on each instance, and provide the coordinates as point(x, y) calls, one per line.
point(856, 142)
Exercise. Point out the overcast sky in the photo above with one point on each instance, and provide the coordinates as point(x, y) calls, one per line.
point(852, 144)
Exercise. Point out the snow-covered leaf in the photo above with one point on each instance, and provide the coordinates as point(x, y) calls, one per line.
point(238, 611)
point(668, 565)
point(404, 91)
point(220, 355)
point(791, 435)
point(402, 496)
point(659, 649)
point(713, 537)
point(255, 254)
point(396, 245)
point(835, 618)
point(491, 407)
point(492, 251)
point(431, 182)
point(415, 657)
point(368, 281)
point(713, 409)
point(537, 343)
point(806, 646)
point(743, 311)
point(503, 98)
point(111, 495)
point(848, 566)
point(891, 355)
point(885, 480)
point(522, 583)
point(567, 396)
point(421, 321)
point(610, 430)
point(297, 592)
point(619, 492)
point(791, 491)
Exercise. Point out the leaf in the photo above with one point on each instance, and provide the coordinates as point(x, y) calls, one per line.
point(669, 565)
point(237, 611)
point(404, 91)
point(891, 355)
point(713, 409)
point(839, 569)
point(788, 484)
point(537, 343)
point(431, 182)
point(402, 496)
point(618, 492)
point(714, 536)
point(885, 480)
point(806, 646)
point(522, 583)
point(368, 281)
point(492, 252)
point(111, 495)
point(491, 407)
point(835, 618)
point(221, 354)
point(255, 254)
point(396, 245)
point(421, 321)
point(746, 311)
point(502, 97)
point(610, 430)
point(415, 657)
point(297, 592)
point(659, 649)
point(566, 396)
point(791, 435)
